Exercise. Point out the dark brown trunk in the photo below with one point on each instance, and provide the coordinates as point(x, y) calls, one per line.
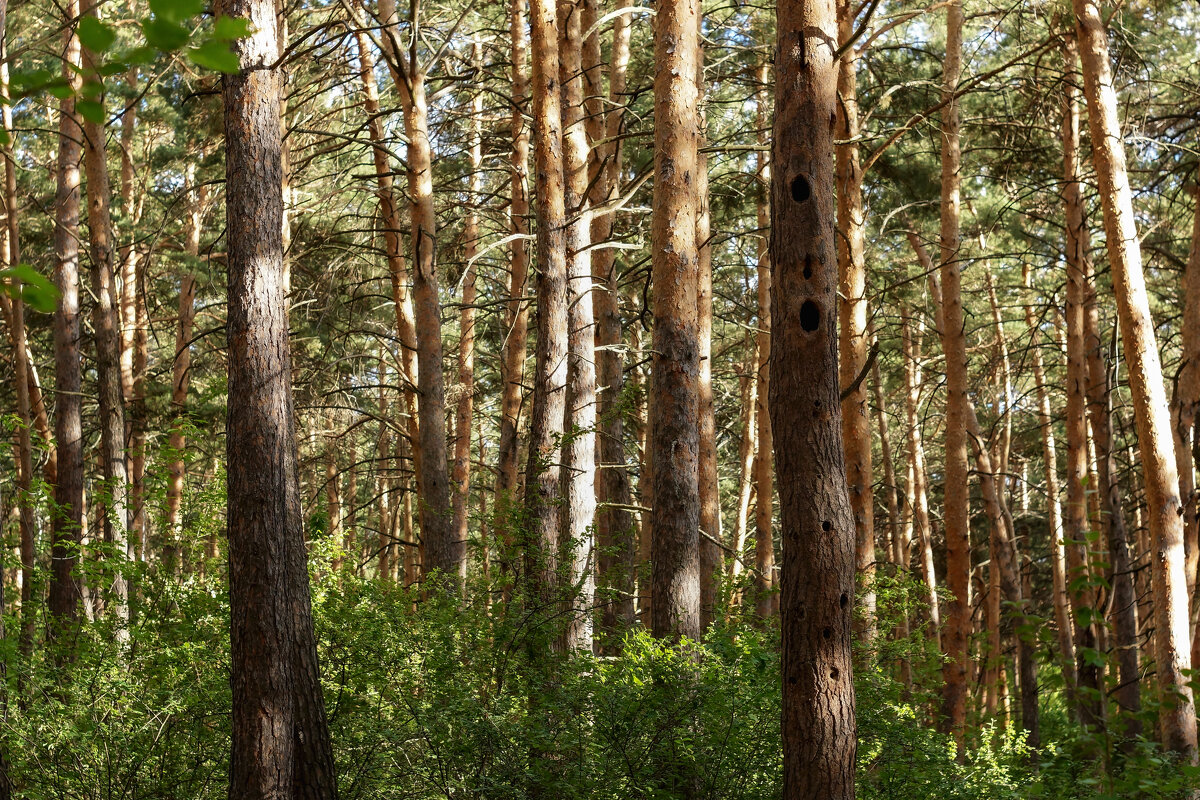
point(817, 577)
point(280, 739)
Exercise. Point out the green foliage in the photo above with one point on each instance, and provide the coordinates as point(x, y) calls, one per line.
point(31, 286)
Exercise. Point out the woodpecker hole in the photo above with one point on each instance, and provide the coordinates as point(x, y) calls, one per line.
point(810, 316)
point(844, 600)
point(826, 525)
point(827, 632)
point(801, 191)
point(807, 266)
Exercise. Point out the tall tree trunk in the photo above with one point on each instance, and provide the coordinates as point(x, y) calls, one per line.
point(463, 409)
point(107, 326)
point(747, 385)
point(852, 317)
point(954, 345)
point(1185, 407)
point(517, 318)
point(817, 520)
point(766, 601)
point(68, 424)
point(674, 437)
point(548, 414)
point(1058, 564)
point(1177, 715)
point(281, 744)
point(579, 450)
point(333, 493)
point(709, 482)
point(898, 547)
point(615, 525)
point(1191, 416)
point(1090, 701)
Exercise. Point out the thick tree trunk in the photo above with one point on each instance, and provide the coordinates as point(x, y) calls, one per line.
point(68, 424)
point(281, 744)
point(107, 326)
point(615, 525)
point(766, 600)
point(956, 513)
point(579, 450)
point(548, 414)
point(1177, 715)
point(852, 317)
point(817, 520)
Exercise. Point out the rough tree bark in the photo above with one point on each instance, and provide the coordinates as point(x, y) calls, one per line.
point(766, 600)
point(674, 436)
point(1177, 715)
point(67, 523)
point(852, 317)
point(281, 744)
point(817, 578)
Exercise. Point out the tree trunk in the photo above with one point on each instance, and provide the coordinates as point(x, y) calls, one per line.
point(1177, 715)
point(817, 520)
point(615, 525)
point(674, 436)
point(107, 326)
point(68, 424)
point(579, 449)
point(548, 414)
point(1058, 565)
point(852, 317)
point(1185, 407)
point(747, 386)
point(517, 319)
point(911, 348)
point(281, 744)
point(956, 512)
point(766, 601)
point(463, 409)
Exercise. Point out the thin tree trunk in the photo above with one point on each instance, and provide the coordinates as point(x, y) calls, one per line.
point(817, 579)
point(579, 450)
point(1177, 715)
point(517, 319)
point(107, 326)
point(1185, 408)
point(911, 348)
point(333, 494)
point(461, 477)
point(766, 601)
point(1058, 565)
point(852, 317)
point(615, 525)
point(280, 744)
point(67, 522)
point(956, 513)
point(747, 386)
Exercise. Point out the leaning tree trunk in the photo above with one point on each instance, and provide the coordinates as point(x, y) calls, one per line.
point(675, 439)
point(67, 522)
point(817, 578)
point(280, 739)
point(1177, 715)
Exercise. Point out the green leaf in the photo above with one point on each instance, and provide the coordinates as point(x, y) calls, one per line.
point(176, 10)
point(91, 110)
point(60, 90)
point(112, 68)
point(141, 55)
point(214, 55)
point(163, 34)
point(229, 28)
point(95, 35)
point(35, 289)
point(91, 89)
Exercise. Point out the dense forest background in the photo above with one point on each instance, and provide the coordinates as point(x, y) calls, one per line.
point(417, 311)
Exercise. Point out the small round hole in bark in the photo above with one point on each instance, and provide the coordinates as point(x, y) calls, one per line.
point(833, 673)
point(827, 525)
point(844, 600)
point(827, 632)
point(801, 191)
point(807, 267)
point(792, 679)
point(810, 316)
